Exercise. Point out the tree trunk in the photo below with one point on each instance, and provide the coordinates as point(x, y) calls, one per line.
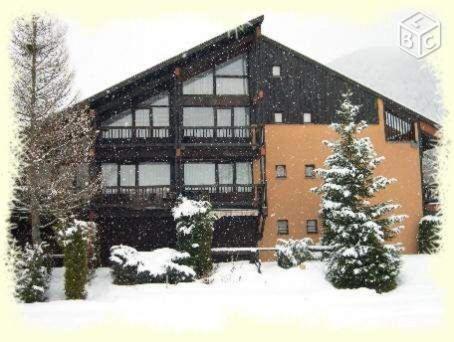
point(32, 174)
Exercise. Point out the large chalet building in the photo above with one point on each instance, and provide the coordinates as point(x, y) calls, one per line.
point(240, 120)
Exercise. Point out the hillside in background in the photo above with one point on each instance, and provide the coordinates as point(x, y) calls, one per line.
point(397, 75)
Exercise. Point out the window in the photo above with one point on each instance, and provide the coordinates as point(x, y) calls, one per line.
point(229, 78)
point(142, 117)
point(278, 117)
point(311, 226)
point(199, 174)
point(225, 173)
point(122, 119)
point(282, 227)
point(198, 116)
point(152, 112)
point(240, 116)
point(231, 86)
point(281, 171)
point(127, 175)
point(151, 174)
point(109, 175)
point(309, 171)
point(199, 85)
point(307, 117)
point(243, 173)
point(276, 71)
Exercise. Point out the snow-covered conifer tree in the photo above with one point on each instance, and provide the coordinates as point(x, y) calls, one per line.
point(195, 225)
point(429, 239)
point(355, 225)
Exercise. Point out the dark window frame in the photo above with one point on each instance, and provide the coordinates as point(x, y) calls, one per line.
point(305, 171)
point(285, 171)
point(315, 226)
point(279, 232)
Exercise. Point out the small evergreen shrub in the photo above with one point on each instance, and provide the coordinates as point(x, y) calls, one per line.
point(292, 253)
point(125, 264)
point(130, 267)
point(429, 238)
point(195, 225)
point(74, 240)
point(32, 271)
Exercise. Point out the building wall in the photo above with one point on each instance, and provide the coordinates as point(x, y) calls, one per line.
point(296, 145)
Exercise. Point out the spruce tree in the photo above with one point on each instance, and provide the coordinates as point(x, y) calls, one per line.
point(355, 228)
point(429, 239)
point(195, 225)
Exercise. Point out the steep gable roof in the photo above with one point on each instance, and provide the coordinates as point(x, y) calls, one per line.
point(240, 31)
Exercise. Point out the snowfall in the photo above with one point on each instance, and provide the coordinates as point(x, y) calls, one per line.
point(236, 289)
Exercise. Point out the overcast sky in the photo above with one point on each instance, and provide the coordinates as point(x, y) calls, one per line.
point(107, 54)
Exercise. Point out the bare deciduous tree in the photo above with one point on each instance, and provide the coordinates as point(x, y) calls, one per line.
point(56, 134)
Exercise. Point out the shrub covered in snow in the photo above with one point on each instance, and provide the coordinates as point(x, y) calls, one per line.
point(292, 253)
point(131, 267)
point(429, 239)
point(32, 270)
point(355, 228)
point(195, 220)
point(74, 240)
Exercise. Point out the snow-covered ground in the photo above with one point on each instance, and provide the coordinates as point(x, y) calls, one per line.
point(237, 290)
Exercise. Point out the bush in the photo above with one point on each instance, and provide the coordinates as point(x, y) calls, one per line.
point(130, 267)
point(195, 221)
point(75, 258)
point(125, 264)
point(292, 253)
point(429, 239)
point(32, 270)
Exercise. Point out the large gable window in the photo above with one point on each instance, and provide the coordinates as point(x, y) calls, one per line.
point(229, 78)
point(118, 126)
point(199, 85)
point(150, 119)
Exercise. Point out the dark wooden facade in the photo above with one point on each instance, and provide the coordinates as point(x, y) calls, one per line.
point(140, 216)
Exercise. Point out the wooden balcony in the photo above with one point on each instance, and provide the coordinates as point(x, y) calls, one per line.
point(228, 195)
point(219, 135)
point(248, 196)
point(158, 197)
point(136, 134)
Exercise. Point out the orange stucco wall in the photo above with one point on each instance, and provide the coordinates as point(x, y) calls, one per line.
point(290, 198)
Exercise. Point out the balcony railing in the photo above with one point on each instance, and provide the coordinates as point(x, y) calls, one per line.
point(138, 196)
point(136, 133)
point(228, 195)
point(243, 135)
point(251, 135)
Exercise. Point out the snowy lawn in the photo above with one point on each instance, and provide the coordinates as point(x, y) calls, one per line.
point(276, 295)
